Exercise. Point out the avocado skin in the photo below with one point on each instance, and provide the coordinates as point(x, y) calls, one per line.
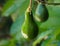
point(41, 13)
point(29, 26)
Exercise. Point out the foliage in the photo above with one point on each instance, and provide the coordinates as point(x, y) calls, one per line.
point(50, 28)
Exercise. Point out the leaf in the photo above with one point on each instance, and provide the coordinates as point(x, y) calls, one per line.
point(52, 41)
point(21, 10)
point(41, 36)
point(17, 4)
point(8, 4)
point(17, 25)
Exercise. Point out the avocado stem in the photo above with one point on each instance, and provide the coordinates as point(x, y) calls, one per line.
point(30, 6)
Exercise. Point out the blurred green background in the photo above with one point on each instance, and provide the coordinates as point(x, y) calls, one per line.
point(50, 29)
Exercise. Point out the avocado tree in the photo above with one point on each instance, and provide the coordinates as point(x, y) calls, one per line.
point(30, 22)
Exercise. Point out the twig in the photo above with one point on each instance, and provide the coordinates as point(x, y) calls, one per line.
point(53, 3)
point(45, 2)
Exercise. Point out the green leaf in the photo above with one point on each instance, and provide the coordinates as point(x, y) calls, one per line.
point(21, 10)
point(17, 4)
point(42, 36)
point(17, 25)
point(50, 42)
point(8, 4)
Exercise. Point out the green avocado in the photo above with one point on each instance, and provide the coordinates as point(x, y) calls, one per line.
point(41, 14)
point(29, 28)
